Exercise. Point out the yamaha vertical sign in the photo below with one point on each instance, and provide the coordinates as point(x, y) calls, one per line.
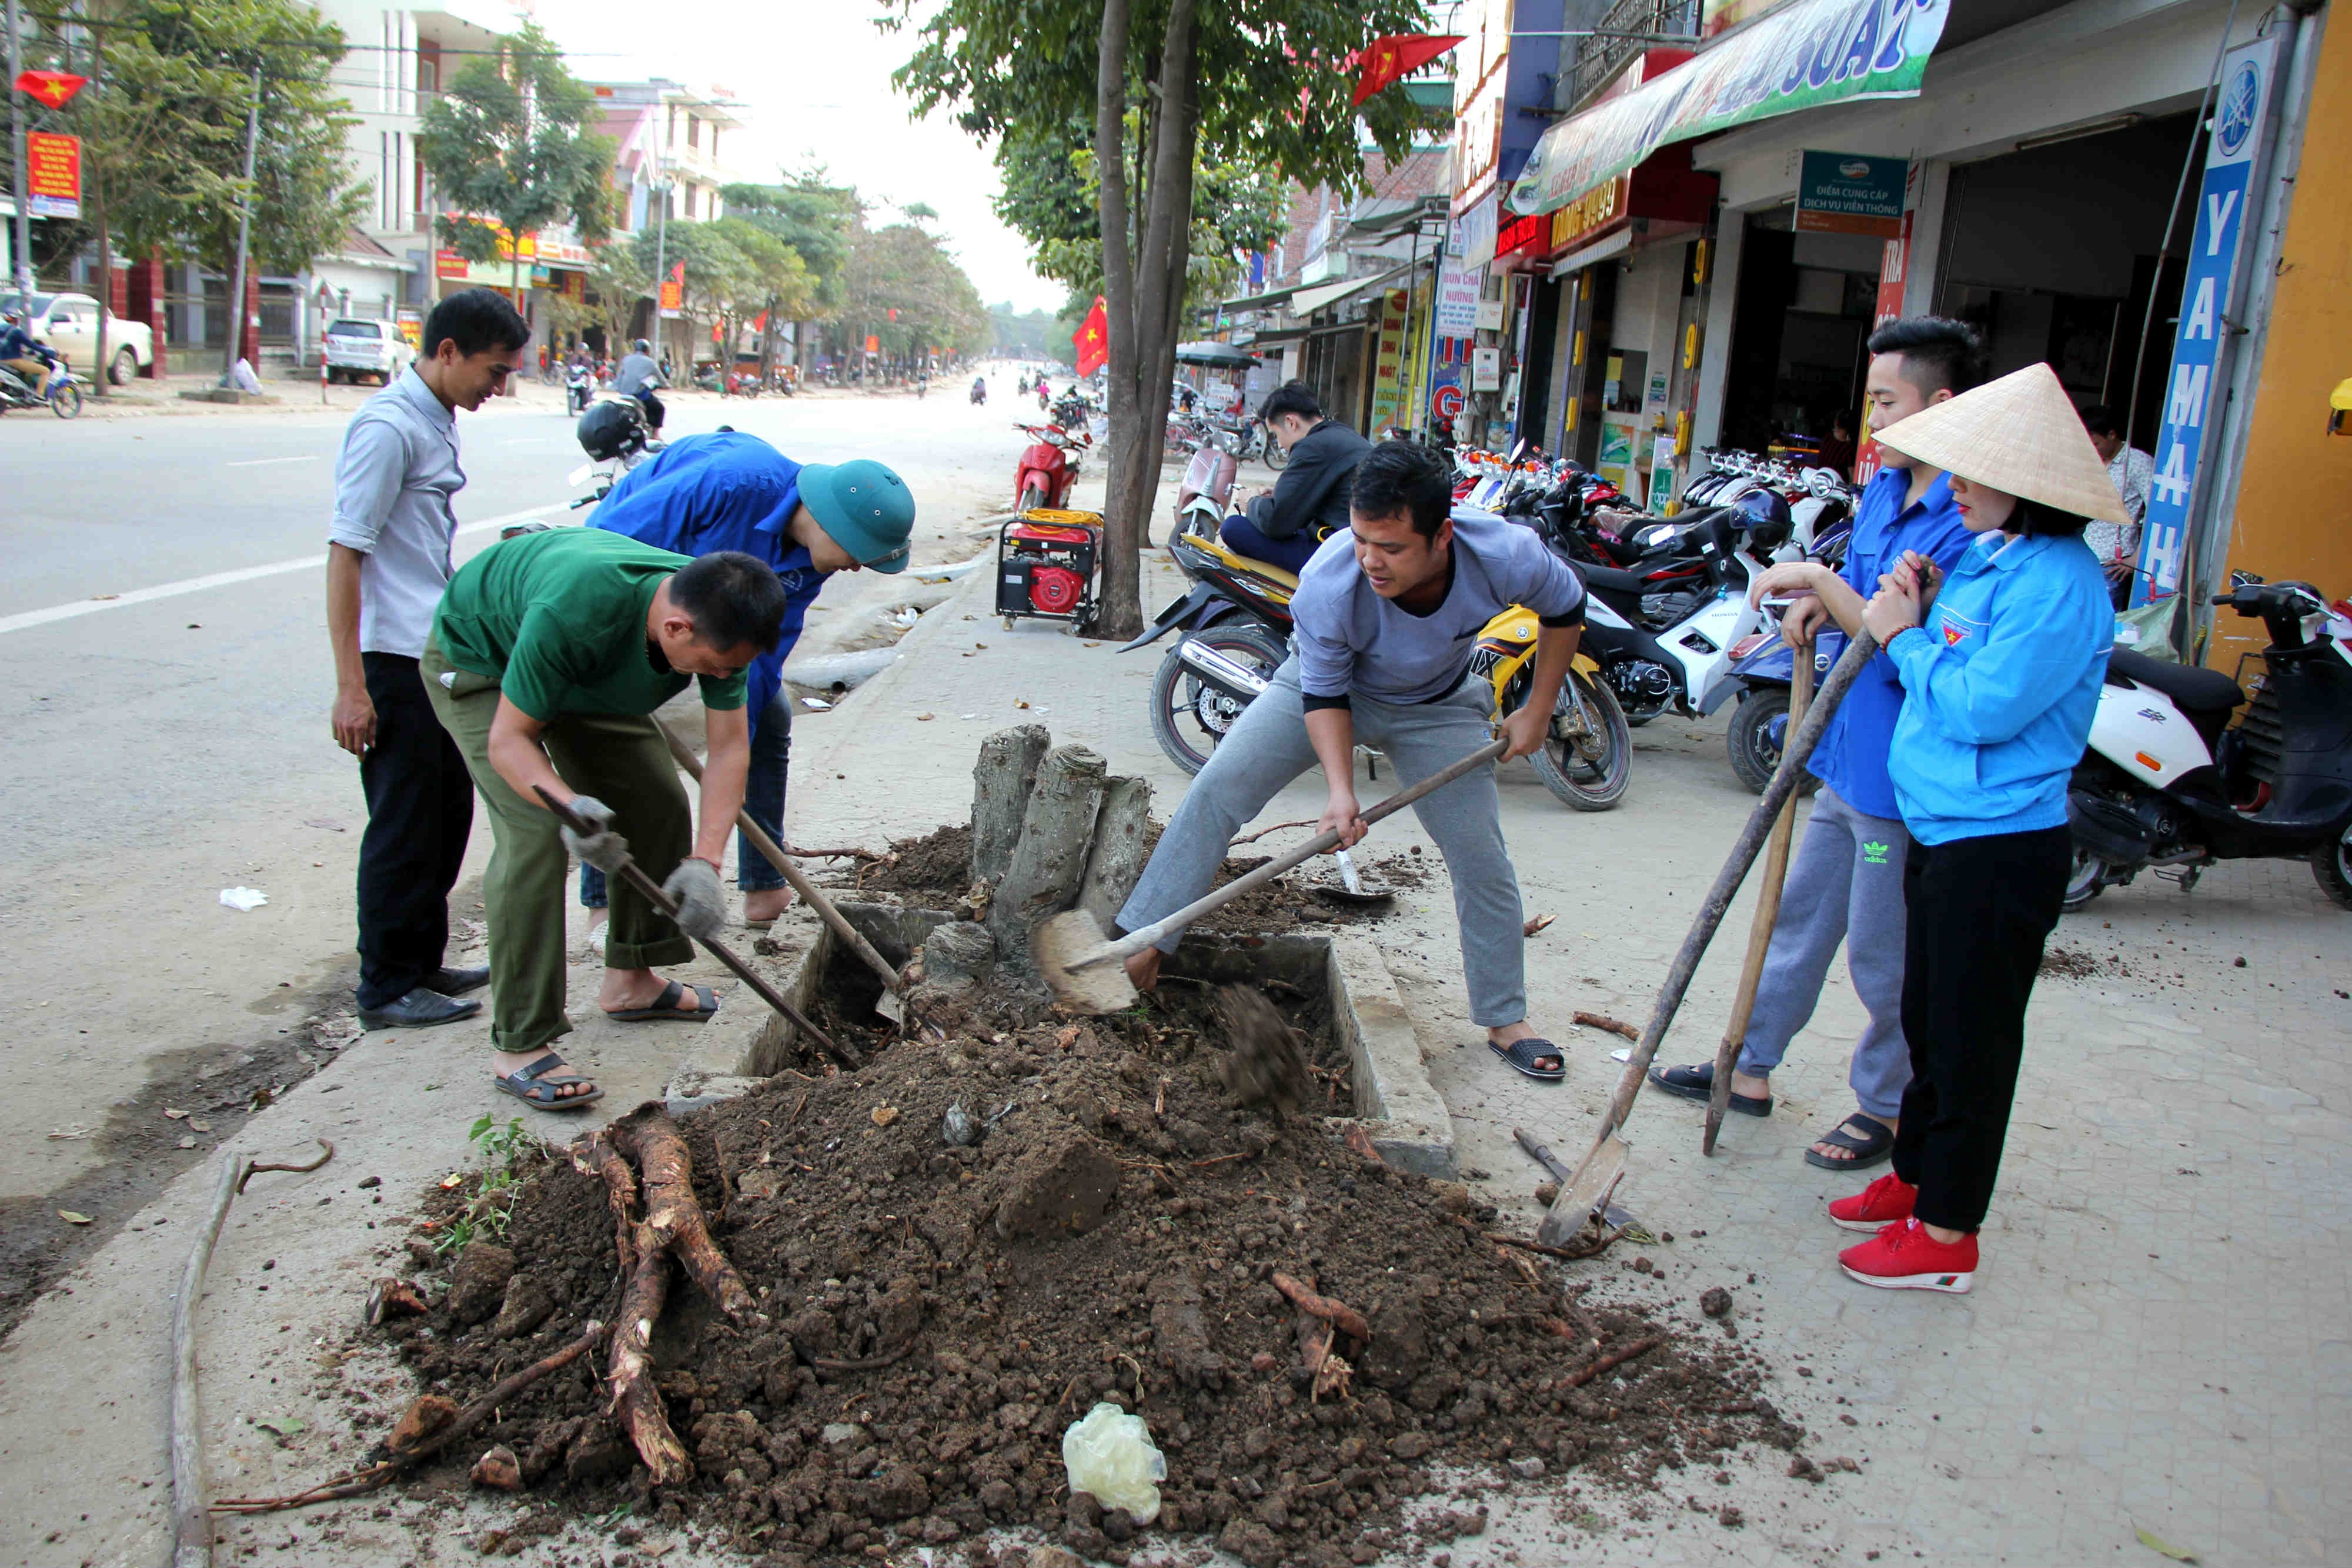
point(2210, 312)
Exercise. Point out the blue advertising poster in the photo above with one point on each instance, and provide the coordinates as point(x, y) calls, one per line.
point(2192, 389)
point(1846, 192)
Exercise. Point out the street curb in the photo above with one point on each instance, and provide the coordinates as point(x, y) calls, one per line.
point(1406, 1117)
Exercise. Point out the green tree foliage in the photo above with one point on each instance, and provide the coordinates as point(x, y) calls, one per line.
point(1029, 69)
point(904, 287)
point(813, 217)
point(1030, 333)
point(506, 143)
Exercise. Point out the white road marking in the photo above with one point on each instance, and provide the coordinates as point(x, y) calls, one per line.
point(266, 462)
point(32, 618)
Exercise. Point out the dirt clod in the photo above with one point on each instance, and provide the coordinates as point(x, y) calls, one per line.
point(477, 1286)
point(1715, 1301)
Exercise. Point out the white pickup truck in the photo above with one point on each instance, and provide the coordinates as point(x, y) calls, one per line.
point(355, 348)
point(68, 323)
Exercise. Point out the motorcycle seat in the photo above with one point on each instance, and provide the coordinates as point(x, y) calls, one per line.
point(2195, 688)
point(1612, 578)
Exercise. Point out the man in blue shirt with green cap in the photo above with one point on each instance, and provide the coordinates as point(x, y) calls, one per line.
point(729, 491)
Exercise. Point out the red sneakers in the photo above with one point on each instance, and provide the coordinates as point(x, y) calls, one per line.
point(1904, 1257)
point(1875, 1207)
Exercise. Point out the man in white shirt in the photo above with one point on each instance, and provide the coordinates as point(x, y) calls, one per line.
point(387, 562)
point(2117, 544)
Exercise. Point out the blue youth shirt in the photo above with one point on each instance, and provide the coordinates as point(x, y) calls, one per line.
point(725, 490)
point(1851, 757)
point(1999, 689)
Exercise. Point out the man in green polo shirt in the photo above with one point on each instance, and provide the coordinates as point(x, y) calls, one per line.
point(547, 653)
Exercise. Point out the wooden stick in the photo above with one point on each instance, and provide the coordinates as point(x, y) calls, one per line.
point(799, 883)
point(634, 874)
point(1615, 1358)
point(361, 1482)
point(1252, 838)
point(1768, 915)
point(192, 1536)
point(1338, 1314)
point(1602, 1020)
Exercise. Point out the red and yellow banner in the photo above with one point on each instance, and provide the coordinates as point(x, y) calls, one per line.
point(53, 174)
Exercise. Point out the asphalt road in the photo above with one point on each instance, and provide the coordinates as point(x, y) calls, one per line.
point(172, 742)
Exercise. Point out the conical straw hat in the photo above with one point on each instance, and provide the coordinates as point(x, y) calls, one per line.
point(2021, 434)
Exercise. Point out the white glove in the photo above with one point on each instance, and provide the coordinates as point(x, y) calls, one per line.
point(604, 849)
point(701, 901)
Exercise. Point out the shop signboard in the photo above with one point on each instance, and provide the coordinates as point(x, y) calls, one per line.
point(1895, 262)
point(1446, 400)
point(1599, 208)
point(1848, 194)
point(1388, 361)
point(1457, 300)
point(1486, 369)
point(411, 324)
point(2193, 388)
point(1478, 231)
point(1616, 462)
point(53, 174)
point(1803, 55)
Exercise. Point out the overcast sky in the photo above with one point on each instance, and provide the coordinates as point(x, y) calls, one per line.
point(815, 81)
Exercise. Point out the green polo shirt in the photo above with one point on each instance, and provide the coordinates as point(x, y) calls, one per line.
point(558, 619)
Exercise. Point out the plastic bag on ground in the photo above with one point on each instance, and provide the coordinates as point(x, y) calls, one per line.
point(1110, 1454)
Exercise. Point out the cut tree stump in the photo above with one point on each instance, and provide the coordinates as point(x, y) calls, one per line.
point(1121, 848)
point(1049, 861)
point(1001, 783)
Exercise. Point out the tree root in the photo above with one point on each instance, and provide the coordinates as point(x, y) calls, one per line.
point(1615, 1358)
point(1338, 1314)
point(674, 1217)
point(359, 1483)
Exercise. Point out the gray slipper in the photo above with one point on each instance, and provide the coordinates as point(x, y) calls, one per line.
point(532, 1085)
point(665, 1007)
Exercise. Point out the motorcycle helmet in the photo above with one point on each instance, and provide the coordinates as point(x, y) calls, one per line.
point(641, 347)
point(610, 430)
point(1768, 520)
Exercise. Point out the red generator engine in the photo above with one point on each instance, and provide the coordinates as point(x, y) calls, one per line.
point(1046, 562)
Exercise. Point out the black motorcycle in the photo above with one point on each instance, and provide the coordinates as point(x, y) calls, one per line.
point(2168, 782)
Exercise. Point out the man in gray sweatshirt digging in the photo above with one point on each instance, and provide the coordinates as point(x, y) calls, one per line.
point(1387, 616)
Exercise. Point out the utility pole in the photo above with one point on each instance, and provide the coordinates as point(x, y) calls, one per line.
point(661, 253)
point(244, 233)
point(24, 256)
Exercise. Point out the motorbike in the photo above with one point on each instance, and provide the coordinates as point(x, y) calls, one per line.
point(1049, 465)
point(1237, 626)
point(63, 397)
point(2167, 783)
point(579, 387)
point(979, 392)
point(1667, 646)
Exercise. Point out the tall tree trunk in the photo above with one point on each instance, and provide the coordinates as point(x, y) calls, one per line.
point(100, 380)
point(1143, 286)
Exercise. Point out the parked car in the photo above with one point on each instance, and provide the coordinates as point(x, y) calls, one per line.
point(356, 349)
point(68, 323)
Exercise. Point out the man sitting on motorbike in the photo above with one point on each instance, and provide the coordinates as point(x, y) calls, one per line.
point(26, 354)
point(1310, 502)
point(636, 378)
point(1388, 614)
point(729, 491)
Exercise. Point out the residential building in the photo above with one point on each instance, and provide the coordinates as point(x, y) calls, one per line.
point(670, 143)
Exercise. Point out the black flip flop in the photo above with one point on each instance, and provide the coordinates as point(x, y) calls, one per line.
point(665, 1007)
point(1869, 1150)
point(1697, 1083)
point(528, 1084)
point(1523, 1054)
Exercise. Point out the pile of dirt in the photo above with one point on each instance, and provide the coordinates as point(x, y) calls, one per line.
point(936, 869)
point(2064, 963)
point(936, 1313)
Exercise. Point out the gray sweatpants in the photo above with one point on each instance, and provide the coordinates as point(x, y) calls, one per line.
point(1846, 883)
point(1268, 749)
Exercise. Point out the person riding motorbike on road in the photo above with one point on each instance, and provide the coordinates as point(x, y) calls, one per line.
point(1309, 503)
point(26, 354)
point(636, 378)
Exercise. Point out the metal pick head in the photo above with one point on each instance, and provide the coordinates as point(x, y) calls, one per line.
point(1586, 1189)
point(1069, 954)
point(1348, 872)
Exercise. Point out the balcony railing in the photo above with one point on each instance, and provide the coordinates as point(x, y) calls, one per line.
point(1624, 30)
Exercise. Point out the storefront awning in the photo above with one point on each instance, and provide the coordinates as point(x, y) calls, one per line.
point(1805, 54)
point(1307, 301)
point(1257, 301)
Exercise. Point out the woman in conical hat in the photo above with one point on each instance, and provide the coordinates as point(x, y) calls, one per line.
point(2001, 664)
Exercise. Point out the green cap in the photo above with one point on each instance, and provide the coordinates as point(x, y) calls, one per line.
point(863, 507)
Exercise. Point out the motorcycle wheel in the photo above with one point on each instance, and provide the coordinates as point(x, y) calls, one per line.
point(65, 402)
point(1589, 786)
point(1031, 500)
point(1759, 729)
point(1277, 457)
point(2332, 865)
point(1188, 715)
point(2086, 879)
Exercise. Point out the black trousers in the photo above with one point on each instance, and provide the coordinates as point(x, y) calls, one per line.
point(420, 810)
point(1980, 911)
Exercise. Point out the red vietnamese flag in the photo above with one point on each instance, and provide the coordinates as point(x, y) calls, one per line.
point(54, 89)
point(1387, 60)
point(1093, 340)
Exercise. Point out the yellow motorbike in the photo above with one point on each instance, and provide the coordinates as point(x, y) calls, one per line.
point(1236, 624)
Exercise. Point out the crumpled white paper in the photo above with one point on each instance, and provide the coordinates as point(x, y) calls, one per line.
point(244, 898)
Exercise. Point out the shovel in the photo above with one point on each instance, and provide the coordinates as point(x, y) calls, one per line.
point(1596, 1177)
point(1768, 914)
point(1088, 969)
point(888, 1004)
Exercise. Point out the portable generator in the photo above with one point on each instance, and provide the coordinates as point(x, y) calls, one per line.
point(1045, 563)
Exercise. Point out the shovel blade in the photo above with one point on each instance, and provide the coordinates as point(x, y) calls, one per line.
point(1586, 1190)
point(1069, 952)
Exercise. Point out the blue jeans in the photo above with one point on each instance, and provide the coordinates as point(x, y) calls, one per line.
point(1242, 536)
point(763, 798)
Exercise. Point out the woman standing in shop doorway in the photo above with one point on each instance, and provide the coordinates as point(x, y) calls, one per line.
point(2001, 664)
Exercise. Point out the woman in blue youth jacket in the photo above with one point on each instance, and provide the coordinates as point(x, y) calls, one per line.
point(2001, 663)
